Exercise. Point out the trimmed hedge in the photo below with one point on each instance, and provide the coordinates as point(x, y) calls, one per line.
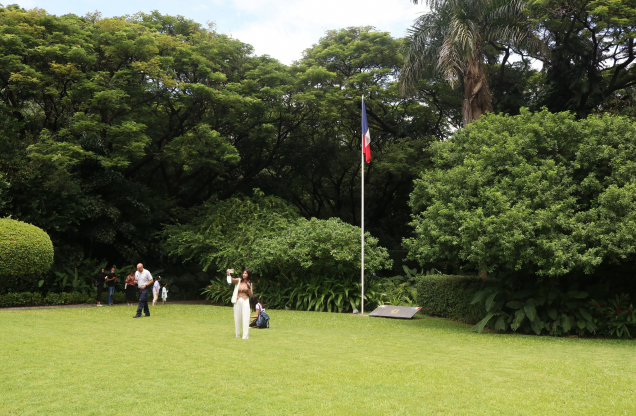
point(53, 299)
point(450, 296)
point(24, 248)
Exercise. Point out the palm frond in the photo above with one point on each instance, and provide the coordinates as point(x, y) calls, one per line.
point(454, 33)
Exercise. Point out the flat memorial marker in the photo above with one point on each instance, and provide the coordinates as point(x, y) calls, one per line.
point(389, 311)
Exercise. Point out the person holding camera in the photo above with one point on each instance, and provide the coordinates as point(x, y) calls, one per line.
point(241, 300)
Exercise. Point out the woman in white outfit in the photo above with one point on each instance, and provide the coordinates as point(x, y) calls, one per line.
point(241, 300)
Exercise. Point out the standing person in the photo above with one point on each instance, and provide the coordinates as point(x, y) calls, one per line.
point(100, 278)
point(131, 285)
point(155, 290)
point(241, 301)
point(110, 282)
point(144, 279)
point(164, 293)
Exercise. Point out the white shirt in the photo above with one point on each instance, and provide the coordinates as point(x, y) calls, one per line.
point(155, 287)
point(143, 278)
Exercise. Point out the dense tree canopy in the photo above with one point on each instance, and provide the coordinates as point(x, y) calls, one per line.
point(320, 174)
point(113, 128)
point(535, 194)
point(124, 138)
point(592, 52)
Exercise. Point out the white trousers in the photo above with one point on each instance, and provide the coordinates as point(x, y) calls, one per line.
point(242, 313)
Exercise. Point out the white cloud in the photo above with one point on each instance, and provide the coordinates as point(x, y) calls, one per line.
point(283, 29)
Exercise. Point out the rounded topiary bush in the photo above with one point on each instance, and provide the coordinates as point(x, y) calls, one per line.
point(24, 248)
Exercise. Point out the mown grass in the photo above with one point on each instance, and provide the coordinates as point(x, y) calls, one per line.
point(184, 359)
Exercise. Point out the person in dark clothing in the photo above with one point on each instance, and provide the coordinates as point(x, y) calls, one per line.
point(131, 287)
point(100, 278)
point(110, 282)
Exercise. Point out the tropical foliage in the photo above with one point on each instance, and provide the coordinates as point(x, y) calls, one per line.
point(452, 39)
point(546, 310)
point(223, 234)
point(615, 316)
point(315, 293)
point(549, 309)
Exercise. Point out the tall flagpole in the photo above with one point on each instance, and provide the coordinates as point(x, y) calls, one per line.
point(362, 214)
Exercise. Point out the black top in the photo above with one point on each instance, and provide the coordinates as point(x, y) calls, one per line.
point(99, 279)
point(112, 282)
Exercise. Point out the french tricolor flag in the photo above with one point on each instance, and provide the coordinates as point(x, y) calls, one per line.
point(366, 137)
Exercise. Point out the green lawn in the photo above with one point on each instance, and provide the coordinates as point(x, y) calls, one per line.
point(184, 359)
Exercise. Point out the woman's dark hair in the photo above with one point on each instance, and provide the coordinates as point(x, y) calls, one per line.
point(132, 271)
point(249, 275)
point(254, 300)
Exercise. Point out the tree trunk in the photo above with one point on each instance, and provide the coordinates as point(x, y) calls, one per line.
point(477, 98)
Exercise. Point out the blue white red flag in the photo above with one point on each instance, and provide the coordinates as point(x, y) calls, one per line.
point(366, 137)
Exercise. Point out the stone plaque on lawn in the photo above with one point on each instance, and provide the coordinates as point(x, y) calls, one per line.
point(389, 311)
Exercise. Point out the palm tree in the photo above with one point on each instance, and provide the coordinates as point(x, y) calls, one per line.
point(450, 39)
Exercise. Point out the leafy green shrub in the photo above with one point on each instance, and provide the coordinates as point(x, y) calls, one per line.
point(10, 300)
point(395, 293)
point(307, 264)
point(70, 298)
point(542, 310)
point(24, 248)
point(55, 299)
point(265, 234)
point(450, 296)
point(399, 290)
point(79, 278)
point(223, 233)
point(614, 316)
point(550, 311)
point(310, 248)
point(118, 297)
point(537, 194)
point(20, 299)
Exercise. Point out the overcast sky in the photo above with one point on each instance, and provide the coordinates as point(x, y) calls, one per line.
point(279, 28)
